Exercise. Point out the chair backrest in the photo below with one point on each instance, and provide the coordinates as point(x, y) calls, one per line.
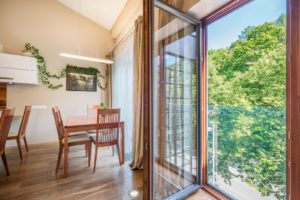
point(109, 116)
point(58, 123)
point(24, 122)
point(2, 115)
point(7, 117)
point(92, 110)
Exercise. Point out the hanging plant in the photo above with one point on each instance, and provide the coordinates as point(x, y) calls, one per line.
point(46, 76)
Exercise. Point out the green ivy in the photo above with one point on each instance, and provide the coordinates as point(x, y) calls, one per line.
point(46, 77)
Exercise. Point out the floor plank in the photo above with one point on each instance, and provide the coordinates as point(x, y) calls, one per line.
point(34, 177)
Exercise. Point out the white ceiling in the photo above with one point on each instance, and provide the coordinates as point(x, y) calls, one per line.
point(102, 12)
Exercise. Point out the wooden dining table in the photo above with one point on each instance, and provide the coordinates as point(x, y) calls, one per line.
point(85, 123)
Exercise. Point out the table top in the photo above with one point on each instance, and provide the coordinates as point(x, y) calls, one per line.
point(75, 121)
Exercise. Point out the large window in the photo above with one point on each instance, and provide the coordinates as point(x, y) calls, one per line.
point(246, 122)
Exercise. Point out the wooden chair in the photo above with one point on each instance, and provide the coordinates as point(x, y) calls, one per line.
point(110, 135)
point(1, 115)
point(22, 131)
point(92, 112)
point(73, 139)
point(6, 119)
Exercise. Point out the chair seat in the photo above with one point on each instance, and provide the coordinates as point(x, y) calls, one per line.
point(76, 133)
point(77, 137)
point(105, 138)
point(92, 132)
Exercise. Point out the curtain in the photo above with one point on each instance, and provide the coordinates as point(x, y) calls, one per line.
point(122, 88)
point(109, 86)
point(138, 70)
point(108, 96)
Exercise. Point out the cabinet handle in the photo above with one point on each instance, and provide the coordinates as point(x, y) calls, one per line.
point(6, 78)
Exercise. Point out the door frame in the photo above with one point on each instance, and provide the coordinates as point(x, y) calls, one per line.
point(293, 99)
point(292, 96)
point(147, 96)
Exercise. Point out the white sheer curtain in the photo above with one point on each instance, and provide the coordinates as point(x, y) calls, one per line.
point(122, 88)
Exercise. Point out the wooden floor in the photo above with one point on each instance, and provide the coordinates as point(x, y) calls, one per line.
point(34, 177)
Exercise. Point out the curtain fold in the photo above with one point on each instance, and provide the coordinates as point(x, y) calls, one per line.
point(108, 96)
point(122, 88)
point(138, 71)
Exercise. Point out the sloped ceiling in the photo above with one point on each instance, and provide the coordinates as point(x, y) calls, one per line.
point(102, 12)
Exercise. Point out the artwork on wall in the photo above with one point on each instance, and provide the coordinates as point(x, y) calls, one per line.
point(81, 79)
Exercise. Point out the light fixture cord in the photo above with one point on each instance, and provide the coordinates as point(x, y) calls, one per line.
point(79, 32)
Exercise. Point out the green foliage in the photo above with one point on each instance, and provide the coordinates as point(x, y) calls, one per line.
point(46, 76)
point(103, 105)
point(247, 105)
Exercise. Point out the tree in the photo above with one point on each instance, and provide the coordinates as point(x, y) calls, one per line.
point(246, 88)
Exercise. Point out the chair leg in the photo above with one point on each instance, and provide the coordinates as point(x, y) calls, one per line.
point(89, 147)
point(25, 142)
point(5, 163)
point(118, 149)
point(59, 158)
point(86, 150)
point(19, 147)
point(95, 161)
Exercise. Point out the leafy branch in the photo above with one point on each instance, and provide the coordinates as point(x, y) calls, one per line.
point(46, 76)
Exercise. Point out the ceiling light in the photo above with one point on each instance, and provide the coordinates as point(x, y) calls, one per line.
point(100, 60)
point(134, 193)
point(79, 56)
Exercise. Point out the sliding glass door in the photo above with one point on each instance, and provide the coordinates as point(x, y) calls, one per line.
point(175, 109)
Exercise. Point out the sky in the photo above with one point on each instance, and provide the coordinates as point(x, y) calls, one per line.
point(224, 31)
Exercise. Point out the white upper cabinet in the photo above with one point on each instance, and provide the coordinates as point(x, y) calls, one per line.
point(18, 69)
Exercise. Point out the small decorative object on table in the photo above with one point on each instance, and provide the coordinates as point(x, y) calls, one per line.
point(103, 105)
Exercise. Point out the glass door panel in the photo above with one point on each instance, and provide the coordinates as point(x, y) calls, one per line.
point(247, 102)
point(175, 147)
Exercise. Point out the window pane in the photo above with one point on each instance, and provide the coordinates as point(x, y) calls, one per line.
point(174, 105)
point(247, 101)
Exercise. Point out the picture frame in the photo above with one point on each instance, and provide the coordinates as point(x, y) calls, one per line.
point(81, 79)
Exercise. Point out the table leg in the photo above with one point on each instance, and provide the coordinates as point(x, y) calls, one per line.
point(123, 138)
point(66, 150)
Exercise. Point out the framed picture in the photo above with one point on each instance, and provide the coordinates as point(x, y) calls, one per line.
point(81, 79)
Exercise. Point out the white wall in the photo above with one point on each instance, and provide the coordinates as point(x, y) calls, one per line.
point(52, 28)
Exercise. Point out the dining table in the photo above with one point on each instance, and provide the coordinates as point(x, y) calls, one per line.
point(87, 123)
